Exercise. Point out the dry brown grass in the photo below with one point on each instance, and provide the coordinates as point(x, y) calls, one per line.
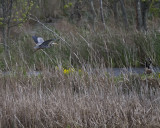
point(90, 99)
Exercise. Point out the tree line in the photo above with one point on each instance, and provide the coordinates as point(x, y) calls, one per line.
point(16, 12)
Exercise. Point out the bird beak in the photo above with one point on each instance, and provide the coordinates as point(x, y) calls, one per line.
point(54, 44)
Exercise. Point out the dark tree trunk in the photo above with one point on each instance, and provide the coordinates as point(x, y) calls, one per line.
point(76, 13)
point(4, 39)
point(6, 6)
point(101, 12)
point(115, 11)
point(141, 14)
point(138, 15)
point(125, 20)
point(144, 10)
point(93, 13)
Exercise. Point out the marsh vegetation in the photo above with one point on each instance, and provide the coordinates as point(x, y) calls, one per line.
point(72, 88)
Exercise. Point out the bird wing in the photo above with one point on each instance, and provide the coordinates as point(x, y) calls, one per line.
point(38, 40)
point(35, 39)
point(46, 43)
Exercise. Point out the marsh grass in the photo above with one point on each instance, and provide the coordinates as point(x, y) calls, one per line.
point(114, 47)
point(89, 99)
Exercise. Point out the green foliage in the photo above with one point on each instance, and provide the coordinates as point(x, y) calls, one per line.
point(157, 48)
point(20, 12)
point(68, 5)
point(1, 21)
point(154, 9)
point(67, 8)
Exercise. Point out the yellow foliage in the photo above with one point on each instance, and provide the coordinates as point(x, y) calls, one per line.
point(66, 71)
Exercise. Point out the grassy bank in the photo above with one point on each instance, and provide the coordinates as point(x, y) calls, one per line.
point(79, 99)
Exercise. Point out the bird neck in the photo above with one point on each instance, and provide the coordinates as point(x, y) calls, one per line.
point(148, 65)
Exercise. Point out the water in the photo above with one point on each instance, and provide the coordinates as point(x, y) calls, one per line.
point(119, 71)
point(30, 73)
point(33, 73)
point(111, 71)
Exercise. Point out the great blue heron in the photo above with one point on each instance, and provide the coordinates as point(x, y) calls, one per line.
point(41, 44)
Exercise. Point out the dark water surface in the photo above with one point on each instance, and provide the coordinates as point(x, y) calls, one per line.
point(110, 71)
point(118, 71)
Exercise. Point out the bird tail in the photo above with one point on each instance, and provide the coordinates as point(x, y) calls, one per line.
point(36, 47)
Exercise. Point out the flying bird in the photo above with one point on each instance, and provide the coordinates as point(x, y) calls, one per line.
point(41, 44)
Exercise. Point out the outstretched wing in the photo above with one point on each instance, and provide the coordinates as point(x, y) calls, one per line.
point(38, 40)
point(35, 39)
point(46, 43)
